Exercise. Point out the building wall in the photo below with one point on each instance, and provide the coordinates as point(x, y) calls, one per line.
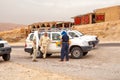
point(111, 13)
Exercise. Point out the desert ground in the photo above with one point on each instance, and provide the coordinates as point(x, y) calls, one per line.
point(101, 63)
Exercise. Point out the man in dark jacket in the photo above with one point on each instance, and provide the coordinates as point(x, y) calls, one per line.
point(65, 46)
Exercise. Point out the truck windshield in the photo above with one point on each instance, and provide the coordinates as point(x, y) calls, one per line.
point(72, 34)
point(79, 33)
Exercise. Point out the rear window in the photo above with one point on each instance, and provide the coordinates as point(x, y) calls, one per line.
point(31, 37)
point(39, 36)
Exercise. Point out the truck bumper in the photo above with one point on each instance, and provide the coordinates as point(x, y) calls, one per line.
point(94, 43)
point(5, 50)
point(29, 50)
point(86, 48)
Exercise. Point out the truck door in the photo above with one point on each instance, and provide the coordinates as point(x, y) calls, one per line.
point(54, 46)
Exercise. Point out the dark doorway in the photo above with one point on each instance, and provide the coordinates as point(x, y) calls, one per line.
point(93, 18)
point(43, 25)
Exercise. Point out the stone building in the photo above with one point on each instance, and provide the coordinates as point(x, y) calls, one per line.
point(84, 19)
point(99, 15)
point(110, 13)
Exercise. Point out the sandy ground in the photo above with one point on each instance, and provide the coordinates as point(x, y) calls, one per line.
point(14, 71)
point(102, 63)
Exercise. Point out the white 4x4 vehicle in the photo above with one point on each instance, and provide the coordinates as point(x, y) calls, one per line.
point(78, 47)
point(5, 50)
point(93, 40)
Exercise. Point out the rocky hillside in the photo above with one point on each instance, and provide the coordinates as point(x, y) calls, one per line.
point(9, 26)
point(106, 31)
point(15, 35)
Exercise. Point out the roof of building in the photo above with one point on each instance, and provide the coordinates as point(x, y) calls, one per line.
point(107, 7)
point(82, 15)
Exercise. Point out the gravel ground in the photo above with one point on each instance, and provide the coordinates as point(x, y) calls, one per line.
point(102, 63)
point(16, 71)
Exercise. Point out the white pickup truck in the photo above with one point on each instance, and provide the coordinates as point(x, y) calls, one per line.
point(5, 50)
point(78, 47)
point(93, 40)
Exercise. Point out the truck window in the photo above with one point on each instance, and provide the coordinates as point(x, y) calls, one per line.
point(39, 35)
point(72, 34)
point(79, 33)
point(55, 36)
point(31, 37)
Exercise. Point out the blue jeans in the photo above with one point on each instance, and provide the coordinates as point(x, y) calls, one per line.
point(64, 51)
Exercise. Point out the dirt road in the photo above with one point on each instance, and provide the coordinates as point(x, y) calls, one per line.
point(102, 63)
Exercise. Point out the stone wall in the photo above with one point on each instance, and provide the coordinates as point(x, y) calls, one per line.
point(111, 13)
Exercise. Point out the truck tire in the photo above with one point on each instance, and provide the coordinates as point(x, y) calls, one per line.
point(39, 54)
point(76, 53)
point(6, 57)
point(85, 53)
point(48, 54)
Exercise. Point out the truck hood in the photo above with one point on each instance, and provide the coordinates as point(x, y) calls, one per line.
point(78, 41)
point(3, 41)
point(88, 37)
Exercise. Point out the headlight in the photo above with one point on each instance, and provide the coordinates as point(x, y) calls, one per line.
point(96, 38)
point(85, 43)
point(90, 43)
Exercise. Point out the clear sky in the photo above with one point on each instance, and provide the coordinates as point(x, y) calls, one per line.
point(30, 11)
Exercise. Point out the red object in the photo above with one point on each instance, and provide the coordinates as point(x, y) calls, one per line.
point(85, 19)
point(100, 17)
point(77, 20)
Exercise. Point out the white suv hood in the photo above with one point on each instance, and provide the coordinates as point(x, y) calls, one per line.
point(3, 41)
point(88, 37)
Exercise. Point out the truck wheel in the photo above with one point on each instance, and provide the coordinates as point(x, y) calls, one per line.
point(94, 45)
point(48, 55)
point(85, 53)
point(6, 57)
point(76, 53)
point(39, 54)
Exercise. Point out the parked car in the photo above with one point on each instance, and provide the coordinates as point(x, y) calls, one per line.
point(93, 40)
point(78, 47)
point(5, 50)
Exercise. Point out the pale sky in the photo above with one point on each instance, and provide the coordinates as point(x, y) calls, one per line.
point(31, 11)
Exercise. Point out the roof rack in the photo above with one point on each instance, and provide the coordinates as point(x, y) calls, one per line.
point(52, 29)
